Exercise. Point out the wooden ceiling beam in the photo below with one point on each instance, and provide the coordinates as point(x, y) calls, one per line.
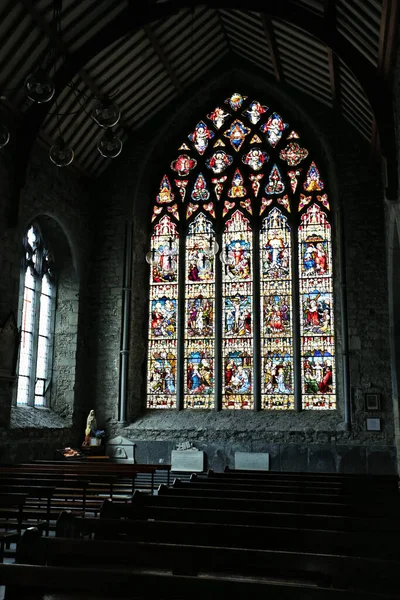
point(131, 19)
point(163, 58)
point(333, 62)
point(46, 28)
point(387, 41)
point(273, 47)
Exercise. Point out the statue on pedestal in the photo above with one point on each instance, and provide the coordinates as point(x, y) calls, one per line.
point(91, 431)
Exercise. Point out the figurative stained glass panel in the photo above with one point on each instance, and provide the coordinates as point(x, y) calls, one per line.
point(201, 136)
point(218, 116)
point(255, 158)
point(162, 352)
point(219, 161)
point(237, 346)
point(277, 391)
point(199, 315)
point(316, 310)
point(249, 166)
point(236, 134)
point(274, 129)
point(254, 112)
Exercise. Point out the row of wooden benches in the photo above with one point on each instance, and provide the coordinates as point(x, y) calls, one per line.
point(231, 533)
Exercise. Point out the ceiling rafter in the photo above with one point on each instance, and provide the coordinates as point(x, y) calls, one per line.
point(333, 63)
point(45, 27)
point(273, 46)
point(224, 30)
point(162, 56)
point(387, 38)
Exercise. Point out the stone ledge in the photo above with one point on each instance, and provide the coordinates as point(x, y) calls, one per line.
point(246, 421)
point(28, 417)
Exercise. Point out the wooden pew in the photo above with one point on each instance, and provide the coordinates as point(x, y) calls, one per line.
point(35, 494)
point(197, 488)
point(362, 573)
point(321, 487)
point(361, 543)
point(38, 582)
point(129, 470)
point(12, 505)
point(265, 505)
point(383, 482)
point(226, 515)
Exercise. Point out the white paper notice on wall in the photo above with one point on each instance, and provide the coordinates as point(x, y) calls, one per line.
point(187, 460)
point(255, 461)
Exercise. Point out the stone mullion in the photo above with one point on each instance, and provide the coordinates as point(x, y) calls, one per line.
point(218, 361)
point(180, 354)
point(256, 328)
point(296, 304)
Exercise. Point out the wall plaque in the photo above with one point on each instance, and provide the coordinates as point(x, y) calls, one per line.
point(256, 461)
point(187, 460)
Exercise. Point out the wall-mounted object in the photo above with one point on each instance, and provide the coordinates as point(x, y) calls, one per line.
point(374, 424)
point(372, 402)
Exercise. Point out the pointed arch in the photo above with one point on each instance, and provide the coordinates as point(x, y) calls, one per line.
point(241, 283)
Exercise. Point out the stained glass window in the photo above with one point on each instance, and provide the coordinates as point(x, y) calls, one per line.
point(237, 296)
point(241, 312)
point(162, 352)
point(37, 322)
point(199, 314)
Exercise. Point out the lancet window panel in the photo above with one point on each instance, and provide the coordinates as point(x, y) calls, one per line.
point(237, 282)
point(277, 367)
point(241, 269)
point(37, 322)
point(199, 349)
point(163, 321)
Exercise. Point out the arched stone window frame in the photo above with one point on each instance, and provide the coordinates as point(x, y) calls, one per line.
point(337, 292)
point(38, 285)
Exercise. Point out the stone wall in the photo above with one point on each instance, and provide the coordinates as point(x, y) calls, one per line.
point(58, 200)
point(126, 192)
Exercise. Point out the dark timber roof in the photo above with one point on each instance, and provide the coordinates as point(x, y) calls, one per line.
point(147, 53)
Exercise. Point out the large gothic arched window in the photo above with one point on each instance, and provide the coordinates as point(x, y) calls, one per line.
point(241, 288)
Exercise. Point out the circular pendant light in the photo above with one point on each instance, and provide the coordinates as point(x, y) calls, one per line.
point(105, 112)
point(61, 154)
point(39, 87)
point(109, 145)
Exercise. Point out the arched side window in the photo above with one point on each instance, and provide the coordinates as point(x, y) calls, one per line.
point(241, 283)
point(37, 322)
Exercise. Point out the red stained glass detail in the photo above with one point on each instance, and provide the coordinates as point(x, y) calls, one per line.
point(294, 178)
point(255, 182)
point(218, 117)
point(191, 208)
point(183, 165)
point(210, 208)
point(285, 202)
point(293, 154)
point(247, 205)
point(200, 192)
point(174, 211)
point(219, 185)
point(227, 207)
point(181, 184)
point(324, 200)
